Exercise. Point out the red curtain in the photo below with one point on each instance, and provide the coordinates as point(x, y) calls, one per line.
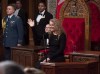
point(75, 31)
point(59, 5)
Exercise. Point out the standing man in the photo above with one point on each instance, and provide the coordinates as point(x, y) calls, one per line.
point(23, 15)
point(41, 19)
point(12, 31)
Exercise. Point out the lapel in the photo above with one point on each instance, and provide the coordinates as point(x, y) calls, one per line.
point(38, 14)
point(12, 18)
point(19, 13)
point(12, 21)
point(45, 13)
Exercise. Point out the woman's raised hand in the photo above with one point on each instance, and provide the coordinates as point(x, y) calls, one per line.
point(30, 22)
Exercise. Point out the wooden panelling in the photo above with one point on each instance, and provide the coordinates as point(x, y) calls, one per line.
point(24, 56)
point(86, 56)
point(71, 68)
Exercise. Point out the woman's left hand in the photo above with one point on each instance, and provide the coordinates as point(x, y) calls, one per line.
point(47, 60)
point(19, 45)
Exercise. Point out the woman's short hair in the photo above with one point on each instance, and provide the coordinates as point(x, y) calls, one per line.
point(57, 25)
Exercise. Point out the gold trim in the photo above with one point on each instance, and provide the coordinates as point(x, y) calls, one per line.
point(3, 24)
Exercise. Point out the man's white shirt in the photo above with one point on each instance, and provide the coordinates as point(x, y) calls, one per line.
point(39, 17)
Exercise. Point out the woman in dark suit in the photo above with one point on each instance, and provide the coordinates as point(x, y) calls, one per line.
point(57, 42)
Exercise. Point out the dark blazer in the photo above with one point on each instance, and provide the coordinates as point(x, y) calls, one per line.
point(13, 33)
point(56, 47)
point(23, 15)
point(39, 30)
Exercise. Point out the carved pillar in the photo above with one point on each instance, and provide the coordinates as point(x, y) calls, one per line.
point(3, 8)
point(31, 13)
point(4, 5)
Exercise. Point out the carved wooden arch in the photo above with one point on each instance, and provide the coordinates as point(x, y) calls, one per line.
point(98, 3)
point(82, 12)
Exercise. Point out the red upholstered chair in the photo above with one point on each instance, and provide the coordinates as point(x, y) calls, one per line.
point(42, 53)
point(75, 31)
point(74, 15)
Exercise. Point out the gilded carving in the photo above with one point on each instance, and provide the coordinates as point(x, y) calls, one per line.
point(77, 9)
point(98, 3)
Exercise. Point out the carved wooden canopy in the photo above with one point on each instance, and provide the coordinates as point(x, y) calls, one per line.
point(77, 9)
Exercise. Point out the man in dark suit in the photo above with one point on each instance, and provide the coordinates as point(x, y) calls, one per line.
point(41, 19)
point(12, 31)
point(23, 15)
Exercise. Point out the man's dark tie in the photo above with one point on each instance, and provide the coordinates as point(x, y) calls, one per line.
point(8, 19)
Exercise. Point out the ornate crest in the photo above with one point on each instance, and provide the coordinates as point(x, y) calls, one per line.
point(75, 8)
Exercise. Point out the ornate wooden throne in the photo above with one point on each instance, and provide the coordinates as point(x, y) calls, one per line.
point(75, 17)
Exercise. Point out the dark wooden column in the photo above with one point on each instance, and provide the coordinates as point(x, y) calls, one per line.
point(4, 5)
point(31, 15)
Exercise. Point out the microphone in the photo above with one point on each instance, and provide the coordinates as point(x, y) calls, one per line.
point(46, 40)
point(47, 43)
